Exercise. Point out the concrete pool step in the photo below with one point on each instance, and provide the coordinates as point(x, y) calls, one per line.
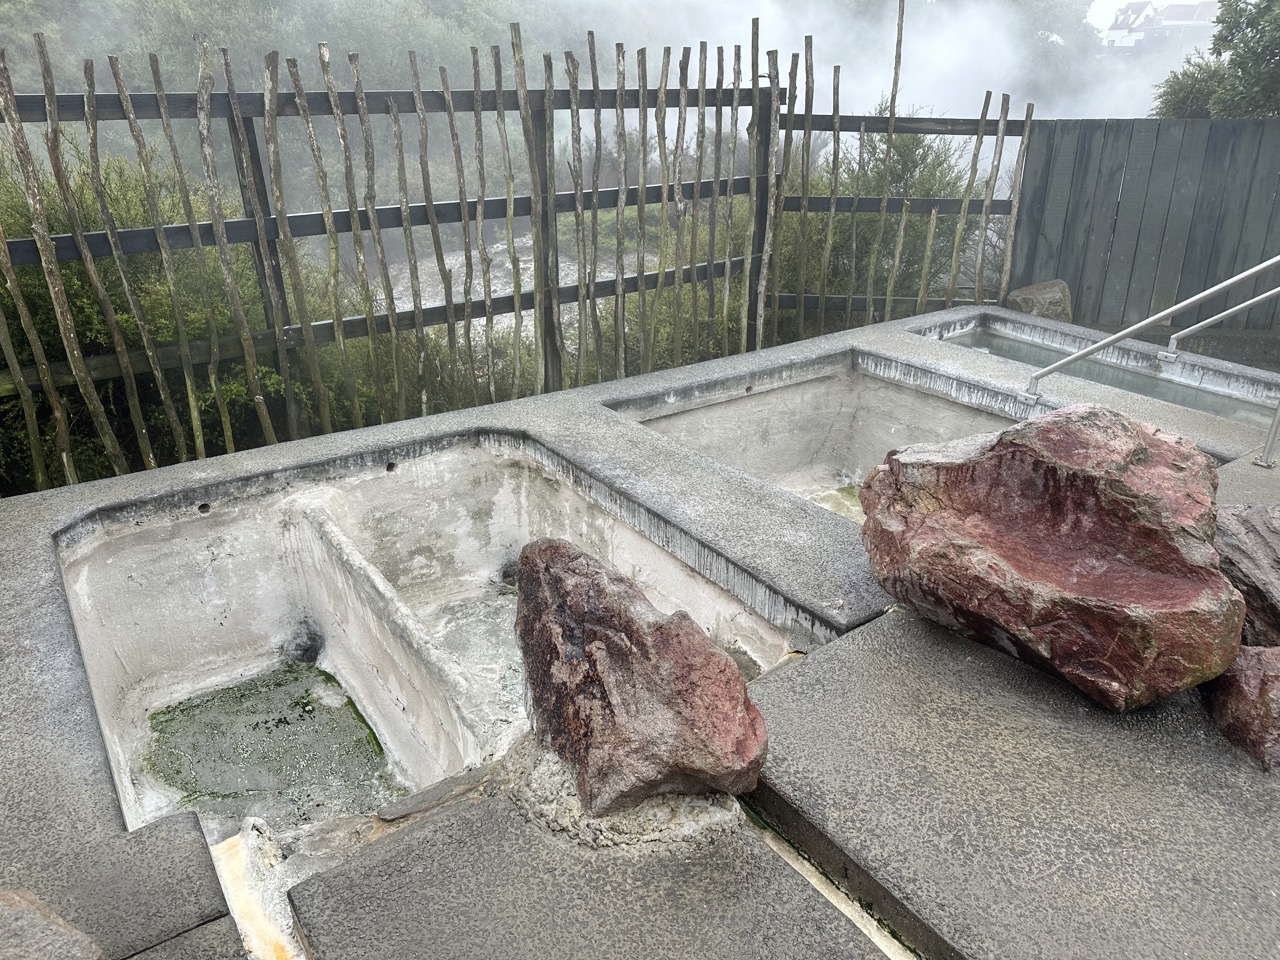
point(982, 809)
point(477, 879)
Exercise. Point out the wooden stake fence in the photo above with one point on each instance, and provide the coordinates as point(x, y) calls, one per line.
point(720, 230)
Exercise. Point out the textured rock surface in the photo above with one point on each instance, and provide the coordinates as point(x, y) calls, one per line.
point(638, 703)
point(1081, 542)
point(1249, 546)
point(29, 930)
point(1051, 299)
point(1245, 703)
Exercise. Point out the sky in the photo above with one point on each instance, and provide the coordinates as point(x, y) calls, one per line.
point(951, 55)
point(1102, 12)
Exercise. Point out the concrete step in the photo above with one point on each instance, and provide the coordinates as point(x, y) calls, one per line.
point(982, 809)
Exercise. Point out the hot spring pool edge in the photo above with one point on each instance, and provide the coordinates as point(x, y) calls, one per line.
point(61, 834)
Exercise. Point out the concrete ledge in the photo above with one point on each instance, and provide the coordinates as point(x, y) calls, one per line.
point(216, 940)
point(478, 881)
point(985, 810)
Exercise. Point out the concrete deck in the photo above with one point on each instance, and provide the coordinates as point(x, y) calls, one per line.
point(985, 810)
point(1195, 808)
point(479, 881)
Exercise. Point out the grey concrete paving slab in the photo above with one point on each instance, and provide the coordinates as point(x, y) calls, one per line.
point(985, 810)
point(215, 940)
point(479, 880)
point(61, 833)
point(1243, 481)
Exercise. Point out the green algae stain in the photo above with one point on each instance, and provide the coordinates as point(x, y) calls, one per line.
point(289, 746)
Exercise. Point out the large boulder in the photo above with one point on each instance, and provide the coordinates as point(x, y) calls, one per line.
point(1248, 543)
point(1081, 542)
point(638, 703)
point(1051, 299)
point(1245, 703)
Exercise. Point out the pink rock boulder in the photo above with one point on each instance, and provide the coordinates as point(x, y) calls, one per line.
point(1245, 704)
point(1081, 542)
point(638, 703)
point(1248, 544)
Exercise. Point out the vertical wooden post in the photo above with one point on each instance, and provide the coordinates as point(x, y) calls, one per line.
point(762, 113)
point(254, 179)
point(552, 360)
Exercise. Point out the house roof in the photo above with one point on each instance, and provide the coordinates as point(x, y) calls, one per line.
point(1128, 16)
point(1204, 12)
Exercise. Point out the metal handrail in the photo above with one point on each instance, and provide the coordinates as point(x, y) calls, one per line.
point(1205, 324)
point(1264, 459)
point(1033, 388)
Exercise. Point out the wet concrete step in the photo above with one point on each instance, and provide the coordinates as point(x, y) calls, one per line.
point(477, 879)
point(984, 810)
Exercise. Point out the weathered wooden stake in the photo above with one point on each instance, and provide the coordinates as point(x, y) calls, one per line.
point(579, 214)
point(831, 200)
point(1013, 206)
point(63, 183)
point(197, 250)
point(979, 294)
point(397, 392)
point(166, 253)
point(619, 297)
point(927, 262)
point(806, 158)
point(897, 261)
point(331, 234)
point(204, 90)
point(596, 161)
point(271, 132)
point(270, 269)
point(776, 272)
point(677, 333)
point(700, 143)
point(357, 234)
point(956, 247)
point(446, 275)
point(888, 168)
point(415, 282)
point(517, 281)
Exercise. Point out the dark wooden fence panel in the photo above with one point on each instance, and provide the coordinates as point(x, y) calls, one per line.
point(1136, 215)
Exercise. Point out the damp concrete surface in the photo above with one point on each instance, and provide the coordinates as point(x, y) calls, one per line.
point(274, 696)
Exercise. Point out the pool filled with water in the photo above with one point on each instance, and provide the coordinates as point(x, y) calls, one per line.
point(1134, 381)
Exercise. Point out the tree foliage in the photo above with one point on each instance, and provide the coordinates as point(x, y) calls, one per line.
point(1240, 79)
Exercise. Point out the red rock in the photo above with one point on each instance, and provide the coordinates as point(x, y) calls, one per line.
point(638, 703)
point(1248, 543)
point(1245, 703)
point(1081, 542)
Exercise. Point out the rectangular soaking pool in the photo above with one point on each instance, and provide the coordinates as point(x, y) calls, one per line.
point(373, 608)
point(817, 434)
point(1213, 386)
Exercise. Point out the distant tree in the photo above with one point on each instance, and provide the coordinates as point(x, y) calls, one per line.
point(1186, 93)
point(1248, 40)
point(1241, 79)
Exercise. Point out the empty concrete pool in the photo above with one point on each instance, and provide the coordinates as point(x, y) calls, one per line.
point(381, 596)
point(816, 434)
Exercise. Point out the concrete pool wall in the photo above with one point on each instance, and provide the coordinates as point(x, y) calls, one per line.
point(818, 434)
point(396, 574)
point(1204, 373)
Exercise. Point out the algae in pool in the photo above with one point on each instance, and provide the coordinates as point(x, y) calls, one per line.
point(287, 746)
point(842, 500)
